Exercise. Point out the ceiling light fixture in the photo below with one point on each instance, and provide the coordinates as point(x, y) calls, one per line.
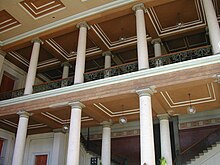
point(191, 109)
point(122, 120)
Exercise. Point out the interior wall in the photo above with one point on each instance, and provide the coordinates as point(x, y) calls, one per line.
point(18, 74)
point(189, 137)
point(8, 146)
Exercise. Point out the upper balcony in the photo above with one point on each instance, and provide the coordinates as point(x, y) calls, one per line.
point(167, 59)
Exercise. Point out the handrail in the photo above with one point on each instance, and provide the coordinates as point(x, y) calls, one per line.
point(203, 144)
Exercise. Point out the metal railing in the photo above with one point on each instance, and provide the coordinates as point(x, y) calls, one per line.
point(116, 70)
point(153, 62)
point(199, 146)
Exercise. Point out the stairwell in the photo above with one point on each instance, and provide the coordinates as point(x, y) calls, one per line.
point(203, 151)
point(210, 156)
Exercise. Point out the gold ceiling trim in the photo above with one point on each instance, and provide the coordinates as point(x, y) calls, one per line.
point(110, 113)
point(210, 98)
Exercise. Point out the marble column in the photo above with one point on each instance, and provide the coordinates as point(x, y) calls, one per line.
point(106, 143)
point(32, 70)
point(146, 126)
point(81, 53)
point(2, 59)
point(20, 138)
point(142, 49)
point(165, 141)
point(157, 51)
point(108, 57)
point(59, 147)
point(157, 47)
point(214, 31)
point(74, 133)
point(66, 66)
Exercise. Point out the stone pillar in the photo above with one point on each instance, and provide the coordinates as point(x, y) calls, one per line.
point(59, 149)
point(157, 47)
point(81, 53)
point(142, 49)
point(2, 58)
point(214, 31)
point(74, 133)
point(106, 143)
point(146, 126)
point(108, 57)
point(32, 70)
point(165, 138)
point(157, 51)
point(20, 138)
point(66, 66)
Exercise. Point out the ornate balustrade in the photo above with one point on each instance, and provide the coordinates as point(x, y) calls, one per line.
point(11, 94)
point(53, 85)
point(116, 70)
point(153, 62)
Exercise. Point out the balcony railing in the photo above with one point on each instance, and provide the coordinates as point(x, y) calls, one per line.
point(116, 70)
point(153, 62)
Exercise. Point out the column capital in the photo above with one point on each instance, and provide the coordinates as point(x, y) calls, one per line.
point(146, 92)
point(106, 123)
point(37, 40)
point(2, 53)
point(139, 6)
point(164, 116)
point(77, 104)
point(156, 40)
point(107, 53)
point(66, 64)
point(23, 113)
point(83, 24)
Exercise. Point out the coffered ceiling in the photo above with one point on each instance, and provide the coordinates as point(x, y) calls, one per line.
point(180, 25)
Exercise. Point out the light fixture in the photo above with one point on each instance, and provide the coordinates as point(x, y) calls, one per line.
point(66, 127)
point(122, 120)
point(122, 37)
point(179, 22)
point(191, 109)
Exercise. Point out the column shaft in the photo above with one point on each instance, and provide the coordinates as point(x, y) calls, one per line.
point(157, 47)
point(214, 31)
point(74, 134)
point(107, 61)
point(81, 55)
point(59, 152)
point(106, 145)
point(146, 128)
point(20, 139)
point(2, 58)
point(142, 49)
point(32, 70)
point(165, 140)
point(65, 71)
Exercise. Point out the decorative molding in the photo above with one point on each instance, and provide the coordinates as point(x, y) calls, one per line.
point(7, 21)
point(63, 121)
point(135, 132)
point(72, 18)
point(199, 123)
point(210, 98)
point(114, 44)
point(110, 113)
point(162, 31)
point(39, 9)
